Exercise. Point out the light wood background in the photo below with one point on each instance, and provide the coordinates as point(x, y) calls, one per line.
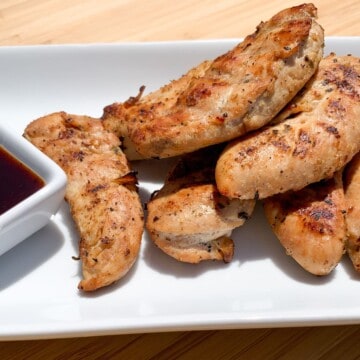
point(75, 21)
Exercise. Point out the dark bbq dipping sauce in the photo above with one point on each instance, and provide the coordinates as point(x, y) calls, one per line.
point(17, 181)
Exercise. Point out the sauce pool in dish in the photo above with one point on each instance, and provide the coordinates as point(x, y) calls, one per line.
point(17, 181)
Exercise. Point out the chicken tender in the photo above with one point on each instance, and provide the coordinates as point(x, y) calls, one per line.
point(188, 219)
point(314, 136)
point(310, 224)
point(352, 197)
point(101, 193)
point(222, 99)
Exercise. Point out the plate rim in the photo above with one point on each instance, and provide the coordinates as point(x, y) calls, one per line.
point(175, 322)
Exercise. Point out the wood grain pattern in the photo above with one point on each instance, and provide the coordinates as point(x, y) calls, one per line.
point(330, 343)
point(25, 22)
point(74, 21)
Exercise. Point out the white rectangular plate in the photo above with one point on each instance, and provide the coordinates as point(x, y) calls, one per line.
point(261, 287)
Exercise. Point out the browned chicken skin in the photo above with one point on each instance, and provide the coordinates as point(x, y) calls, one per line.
point(188, 219)
point(310, 224)
point(219, 100)
point(101, 192)
point(313, 137)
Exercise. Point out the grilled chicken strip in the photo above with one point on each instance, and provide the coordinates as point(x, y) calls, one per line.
point(222, 99)
point(101, 192)
point(310, 224)
point(352, 197)
point(315, 136)
point(188, 219)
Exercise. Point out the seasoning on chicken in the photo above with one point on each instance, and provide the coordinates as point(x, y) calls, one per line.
point(315, 136)
point(222, 99)
point(188, 219)
point(310, 224)
point(101, 192)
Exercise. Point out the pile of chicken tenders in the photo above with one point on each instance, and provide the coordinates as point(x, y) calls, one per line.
point(271, 120)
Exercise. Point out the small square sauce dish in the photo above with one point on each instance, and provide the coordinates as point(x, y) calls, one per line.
point(32, 188)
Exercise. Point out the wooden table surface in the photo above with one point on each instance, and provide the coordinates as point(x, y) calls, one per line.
point(76, 21)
